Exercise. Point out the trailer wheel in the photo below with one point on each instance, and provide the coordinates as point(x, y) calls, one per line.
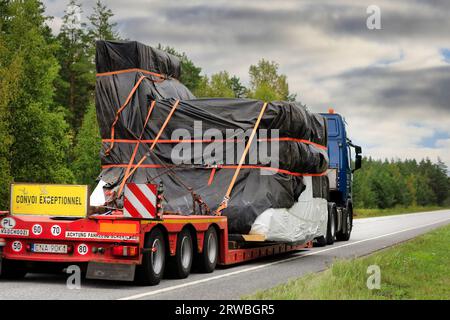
point(11, 269)
point(344, 235)
point(151, 270)
point(207, 260)
point(180, 265)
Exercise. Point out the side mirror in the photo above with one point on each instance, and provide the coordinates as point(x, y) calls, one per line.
point(358, 162)
point(358, 150)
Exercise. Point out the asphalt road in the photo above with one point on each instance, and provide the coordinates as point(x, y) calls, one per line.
point(368, 235)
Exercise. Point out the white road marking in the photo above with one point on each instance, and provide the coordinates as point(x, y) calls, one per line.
point(192, 283)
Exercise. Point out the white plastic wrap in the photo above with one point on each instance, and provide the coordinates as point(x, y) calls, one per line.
point(304, 221)
point(98, 196)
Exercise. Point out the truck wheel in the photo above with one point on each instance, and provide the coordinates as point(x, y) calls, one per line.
point(11, 269)
point(344, 235)
point(331, 225)
point(207, 260)
point(151, 270)
point(180, 265)
point(329, 238)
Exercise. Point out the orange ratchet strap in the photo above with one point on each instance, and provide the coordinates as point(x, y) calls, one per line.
point(211, 176)
point(155, 141)
point(216, 140)
point(159, 166)
point(103, 74)
point(224, 203)
point(152, 106)
point(127, 101)
point(119, 111)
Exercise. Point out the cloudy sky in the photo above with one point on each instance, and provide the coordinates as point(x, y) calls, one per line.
point(392, 85)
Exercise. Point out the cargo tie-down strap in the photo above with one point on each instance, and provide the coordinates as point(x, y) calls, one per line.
point(224, 203)
point(214, 168)
point(111, 73)
point(130, 173)
point(131, 167)
point(130, 95)
point(152, 106)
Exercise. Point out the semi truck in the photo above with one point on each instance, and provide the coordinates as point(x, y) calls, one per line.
point(126, 248)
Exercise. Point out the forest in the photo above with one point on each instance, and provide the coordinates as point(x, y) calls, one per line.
point(48, 124)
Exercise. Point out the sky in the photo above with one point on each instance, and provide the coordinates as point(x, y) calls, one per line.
point(392, 84)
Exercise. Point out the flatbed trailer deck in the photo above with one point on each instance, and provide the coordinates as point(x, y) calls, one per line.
point(107, 241)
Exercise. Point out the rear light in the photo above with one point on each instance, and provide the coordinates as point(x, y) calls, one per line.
point(2, 242)
point(3, 213)
point(125, 251)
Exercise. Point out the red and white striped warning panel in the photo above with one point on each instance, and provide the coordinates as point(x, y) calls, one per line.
point(140, 200)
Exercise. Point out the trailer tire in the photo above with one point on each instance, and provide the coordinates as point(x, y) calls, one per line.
point(13, 270)
point(179, 266)
point(151, 271)
point(206, 261)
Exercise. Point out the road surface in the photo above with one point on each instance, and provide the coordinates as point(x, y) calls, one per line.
point(369, 235)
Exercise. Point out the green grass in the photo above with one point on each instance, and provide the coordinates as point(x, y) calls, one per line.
point(367, 213)
point(417, 269)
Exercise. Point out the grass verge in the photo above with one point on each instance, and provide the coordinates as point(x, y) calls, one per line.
point(417, 269)
point(368, 213)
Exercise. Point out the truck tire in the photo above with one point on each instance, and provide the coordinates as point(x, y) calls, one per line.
point(344, 234)
point(11, 269)
point(330, 237)
point(151, 271)
point(179, 266)
point(331, 225)
point(207, 260)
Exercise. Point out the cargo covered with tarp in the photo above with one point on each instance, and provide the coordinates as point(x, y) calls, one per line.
point(154, 130)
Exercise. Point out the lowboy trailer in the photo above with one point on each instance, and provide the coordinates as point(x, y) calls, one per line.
point(117, 248)
point(127, 248)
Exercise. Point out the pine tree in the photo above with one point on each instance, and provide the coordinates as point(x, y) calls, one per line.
point(240, 91)
point(101, 26)
point(75, 85)
point(86, 161)
point(41, 135)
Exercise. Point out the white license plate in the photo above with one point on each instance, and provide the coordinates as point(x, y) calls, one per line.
point(49, 248)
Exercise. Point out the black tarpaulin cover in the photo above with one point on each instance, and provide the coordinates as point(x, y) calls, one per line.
point(298, 137)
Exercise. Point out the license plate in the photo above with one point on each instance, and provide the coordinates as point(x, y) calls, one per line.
point(48, 248)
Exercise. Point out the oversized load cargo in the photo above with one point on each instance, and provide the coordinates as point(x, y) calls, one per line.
point(154, 130)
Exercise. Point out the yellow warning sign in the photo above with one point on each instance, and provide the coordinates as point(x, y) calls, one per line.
point(49, 199)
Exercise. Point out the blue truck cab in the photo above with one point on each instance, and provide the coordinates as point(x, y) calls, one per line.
point(342, 165)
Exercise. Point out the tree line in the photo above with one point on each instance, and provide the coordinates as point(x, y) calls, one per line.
point(48, 124)
point(386, 184)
